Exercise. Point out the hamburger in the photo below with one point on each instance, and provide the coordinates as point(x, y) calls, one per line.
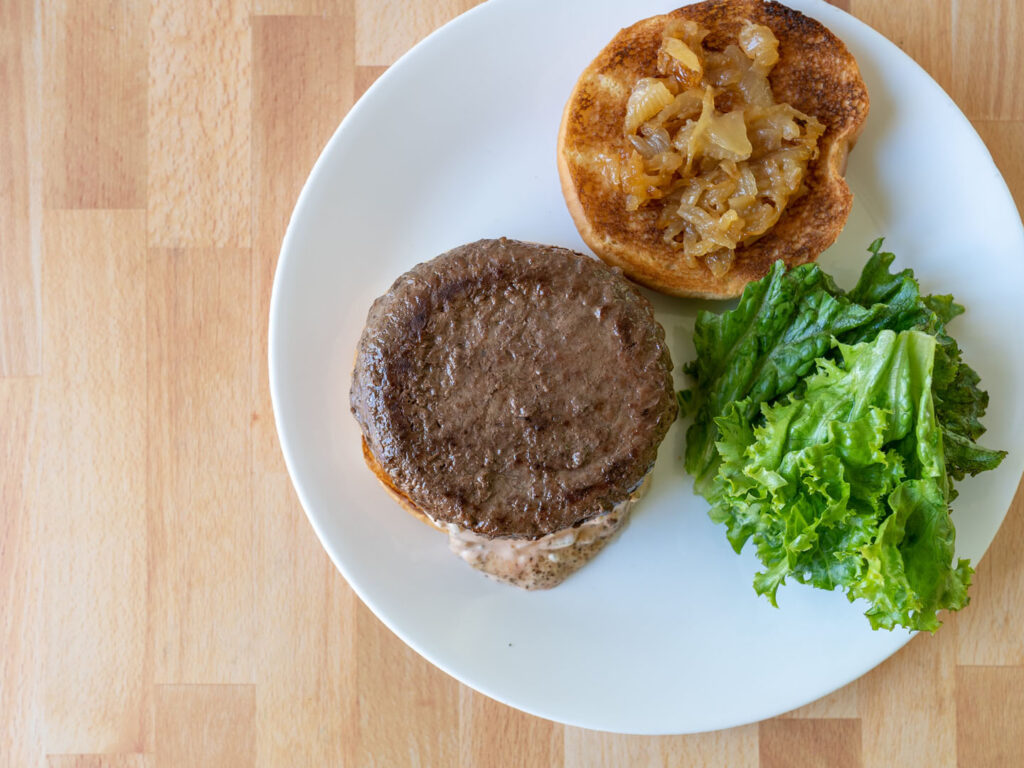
point(704, 144)
point(514, 396)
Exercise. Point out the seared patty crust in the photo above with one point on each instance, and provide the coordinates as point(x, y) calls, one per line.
point(513, 389)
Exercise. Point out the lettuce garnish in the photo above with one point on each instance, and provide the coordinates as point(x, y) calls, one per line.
point(829, 427)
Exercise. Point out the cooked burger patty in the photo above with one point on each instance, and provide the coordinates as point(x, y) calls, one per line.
point(513, 389)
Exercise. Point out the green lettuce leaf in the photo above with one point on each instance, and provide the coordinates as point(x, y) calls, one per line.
point(761, 351)
point(959, 403)
point(845, 485)
point(829, 428)
point(909, 574)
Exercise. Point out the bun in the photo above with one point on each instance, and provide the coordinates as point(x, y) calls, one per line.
point(815, 73)
point(404, 501)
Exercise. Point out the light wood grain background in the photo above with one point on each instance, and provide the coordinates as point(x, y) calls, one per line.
point(163, 601)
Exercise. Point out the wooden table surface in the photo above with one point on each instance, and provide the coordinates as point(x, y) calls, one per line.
point(164, 601)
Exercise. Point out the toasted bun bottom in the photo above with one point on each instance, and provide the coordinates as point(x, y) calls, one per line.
point(392, 489)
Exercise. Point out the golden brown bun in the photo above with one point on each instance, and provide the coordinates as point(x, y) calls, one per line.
point(396, 494)
point(815, 73)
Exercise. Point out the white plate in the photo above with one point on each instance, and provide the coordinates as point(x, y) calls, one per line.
point(662, 633)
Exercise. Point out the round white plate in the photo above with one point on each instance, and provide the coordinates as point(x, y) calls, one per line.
point(662, 633)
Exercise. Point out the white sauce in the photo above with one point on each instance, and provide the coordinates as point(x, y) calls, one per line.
point(545, 562)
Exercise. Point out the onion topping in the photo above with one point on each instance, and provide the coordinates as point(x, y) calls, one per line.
point(710, 145)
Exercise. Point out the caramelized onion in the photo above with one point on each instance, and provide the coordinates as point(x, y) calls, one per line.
point(727, 137)
point(721, 178)
point(649, 96)
point(760, 45)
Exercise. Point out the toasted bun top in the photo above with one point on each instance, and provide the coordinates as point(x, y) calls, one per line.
point(513, 389)
point(815, 73)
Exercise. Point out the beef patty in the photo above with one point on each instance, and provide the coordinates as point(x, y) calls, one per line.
point(513, 389)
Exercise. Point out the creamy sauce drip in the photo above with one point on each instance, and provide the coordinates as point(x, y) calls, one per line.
point(547, 561)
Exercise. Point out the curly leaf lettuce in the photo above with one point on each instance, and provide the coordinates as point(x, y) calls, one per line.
point(760, 351)
point(959, 403)
point(845, 485)
point(763, 349)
